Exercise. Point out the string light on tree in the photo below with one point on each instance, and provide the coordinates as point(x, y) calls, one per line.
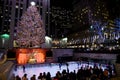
point(30, 29)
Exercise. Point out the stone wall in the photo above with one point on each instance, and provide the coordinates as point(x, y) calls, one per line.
point(117, 66)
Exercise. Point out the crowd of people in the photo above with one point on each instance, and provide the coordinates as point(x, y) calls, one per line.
point(84, 73)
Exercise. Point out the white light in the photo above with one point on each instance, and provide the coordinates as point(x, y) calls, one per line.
point(116, 38)
point(91, 26)
point(3, 42)
point(83, 46)
point(87, 45)
point(16, 6)
point(102, 28)
point(32, 3)
point(64, 39)
point(47, 38)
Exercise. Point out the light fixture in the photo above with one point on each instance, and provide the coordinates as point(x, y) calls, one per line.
point(32, 3)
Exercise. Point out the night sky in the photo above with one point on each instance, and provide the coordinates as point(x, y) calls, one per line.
point(113, 7)
point(62, 3)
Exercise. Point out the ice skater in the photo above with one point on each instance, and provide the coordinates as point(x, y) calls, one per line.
point(23, 68)
point(67, 67)
point(60, 65)
point(16, 67)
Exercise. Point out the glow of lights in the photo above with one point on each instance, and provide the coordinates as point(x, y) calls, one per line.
point(95, 45)
point(16, 6)
point(91, 27)
point(113, 48)
point(91, 48)
point(9, 19)
point(83, 46)
point(3, 41)
point(33, 3)
point(64, 39)
point(101, 45)
point(30, 31)
point(110, 48)
point(47, 38)
point(117, 45)
point(87, 45)
point(116, 38)
point(25, 56)
point(102, 29)
point(6, 36)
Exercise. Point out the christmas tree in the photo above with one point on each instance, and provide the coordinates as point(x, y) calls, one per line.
point(30, 31)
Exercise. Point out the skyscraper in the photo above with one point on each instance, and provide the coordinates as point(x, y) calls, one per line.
point(61, 21)
point(1, 14)
point(88, 11)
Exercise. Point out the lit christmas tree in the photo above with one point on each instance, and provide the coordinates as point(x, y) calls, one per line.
point(30, 29)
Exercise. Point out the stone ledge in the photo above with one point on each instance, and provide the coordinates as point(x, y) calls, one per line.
point(5, 70)
point(117, 67)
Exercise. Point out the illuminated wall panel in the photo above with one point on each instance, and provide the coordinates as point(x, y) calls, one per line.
point(30, 56)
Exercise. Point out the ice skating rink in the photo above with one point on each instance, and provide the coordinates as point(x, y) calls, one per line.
point(31, 69)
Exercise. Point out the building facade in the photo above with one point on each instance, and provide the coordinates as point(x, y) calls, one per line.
point(61, 21)
point(94, 26)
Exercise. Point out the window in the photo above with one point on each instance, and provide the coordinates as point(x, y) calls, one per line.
point(16, 13)
point(21, 10)
point(10, 2)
